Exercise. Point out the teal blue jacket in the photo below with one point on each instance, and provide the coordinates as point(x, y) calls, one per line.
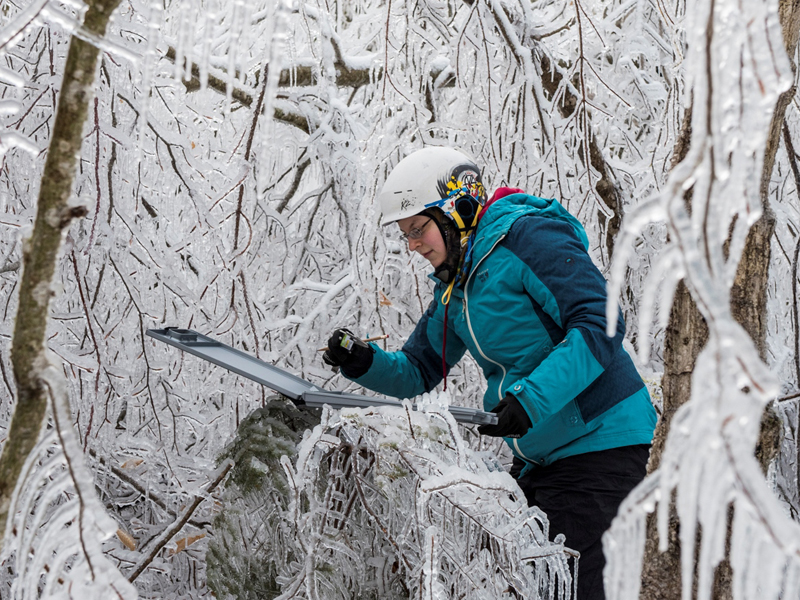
point(532, 314)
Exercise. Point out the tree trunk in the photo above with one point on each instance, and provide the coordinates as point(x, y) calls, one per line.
point(40, 252)
point(686, 336)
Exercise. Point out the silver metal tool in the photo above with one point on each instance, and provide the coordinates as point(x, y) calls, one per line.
point(295, 388)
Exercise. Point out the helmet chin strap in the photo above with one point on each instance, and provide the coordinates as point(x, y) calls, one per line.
point(464, 261)
point(465, 256)
point(460, 223)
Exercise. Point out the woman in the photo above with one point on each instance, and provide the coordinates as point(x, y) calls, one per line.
point(515, 286)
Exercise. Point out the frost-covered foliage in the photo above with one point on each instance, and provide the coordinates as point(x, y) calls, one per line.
point(57, 520)
point(234, 197)
point(251, 541)
point(229, 169)
point(708, 460)
point(386, 503)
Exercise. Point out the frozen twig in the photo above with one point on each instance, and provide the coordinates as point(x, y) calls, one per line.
point(158, 544)
point(143, 491)
point(10, 267)
point(248, 149)
point(293, 186)
point(88, 321)
point(146, 376)
point(52, 217)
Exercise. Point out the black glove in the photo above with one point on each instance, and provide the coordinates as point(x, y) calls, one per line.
point(512, 420)
point(349, 353)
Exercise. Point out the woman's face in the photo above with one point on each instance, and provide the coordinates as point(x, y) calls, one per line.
point(430, 244)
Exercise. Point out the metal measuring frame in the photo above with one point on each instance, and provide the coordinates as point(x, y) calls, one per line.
point(295, 388)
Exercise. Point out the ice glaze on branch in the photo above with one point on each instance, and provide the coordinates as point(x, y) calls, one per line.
point(300, 76)
point(41, 251)
point(552, 76)
point(171, 531)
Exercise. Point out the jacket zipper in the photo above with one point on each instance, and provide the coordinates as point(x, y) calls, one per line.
point(522, 455)
point(469, 323)
point(478, 346)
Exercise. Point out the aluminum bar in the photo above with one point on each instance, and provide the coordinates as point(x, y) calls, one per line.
point(234, 360)
point(298, 390)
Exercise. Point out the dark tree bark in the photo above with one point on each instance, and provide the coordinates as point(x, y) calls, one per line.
point(685, 337)
point(687, 334)
point(40, 252)
point(552, 76)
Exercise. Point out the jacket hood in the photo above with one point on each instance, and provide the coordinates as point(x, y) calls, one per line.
point(503, 213)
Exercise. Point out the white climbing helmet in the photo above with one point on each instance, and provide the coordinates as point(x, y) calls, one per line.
point(432, 178)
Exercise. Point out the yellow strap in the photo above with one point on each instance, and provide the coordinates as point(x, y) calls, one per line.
point(464, 237)
point(446, 295)
point(460, 222)
point(457, 218)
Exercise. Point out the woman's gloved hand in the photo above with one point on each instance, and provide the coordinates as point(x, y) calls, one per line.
point(512, 420)
point(349, 353)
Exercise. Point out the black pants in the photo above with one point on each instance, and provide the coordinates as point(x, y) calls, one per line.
point(580, 495)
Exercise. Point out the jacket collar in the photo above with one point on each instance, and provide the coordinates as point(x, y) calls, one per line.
point(504, 208)
point(501, 214)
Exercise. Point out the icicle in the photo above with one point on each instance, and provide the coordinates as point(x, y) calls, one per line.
point(272, 69)
point(207, 37)
point(153, 21)
point(431, 586)
point(236, 12)
point(12, 139)
point(182, 66)
point(668, 264)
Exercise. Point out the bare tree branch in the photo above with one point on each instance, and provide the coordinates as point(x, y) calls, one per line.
point(143, 491)
point(296, 76)
point(53, 215)
point(248, 149)
point(294, 186)
point(173, 530)
point(552, 76)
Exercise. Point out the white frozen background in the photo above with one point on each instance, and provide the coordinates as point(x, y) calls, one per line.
point(212, 209)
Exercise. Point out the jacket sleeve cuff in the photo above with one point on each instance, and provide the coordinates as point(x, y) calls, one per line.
point(391, 374)
point(519, 391)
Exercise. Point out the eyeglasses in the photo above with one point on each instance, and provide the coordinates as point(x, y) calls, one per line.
point(416, 233)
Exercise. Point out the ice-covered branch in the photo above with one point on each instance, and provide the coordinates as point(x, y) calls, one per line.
point(390, 501)
point(131, 481)
point(57, 520)
point(351, 72)
point(53, 215)
point(170, 532)
point(708, 458)
point(10, 266)
point(551, 81)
